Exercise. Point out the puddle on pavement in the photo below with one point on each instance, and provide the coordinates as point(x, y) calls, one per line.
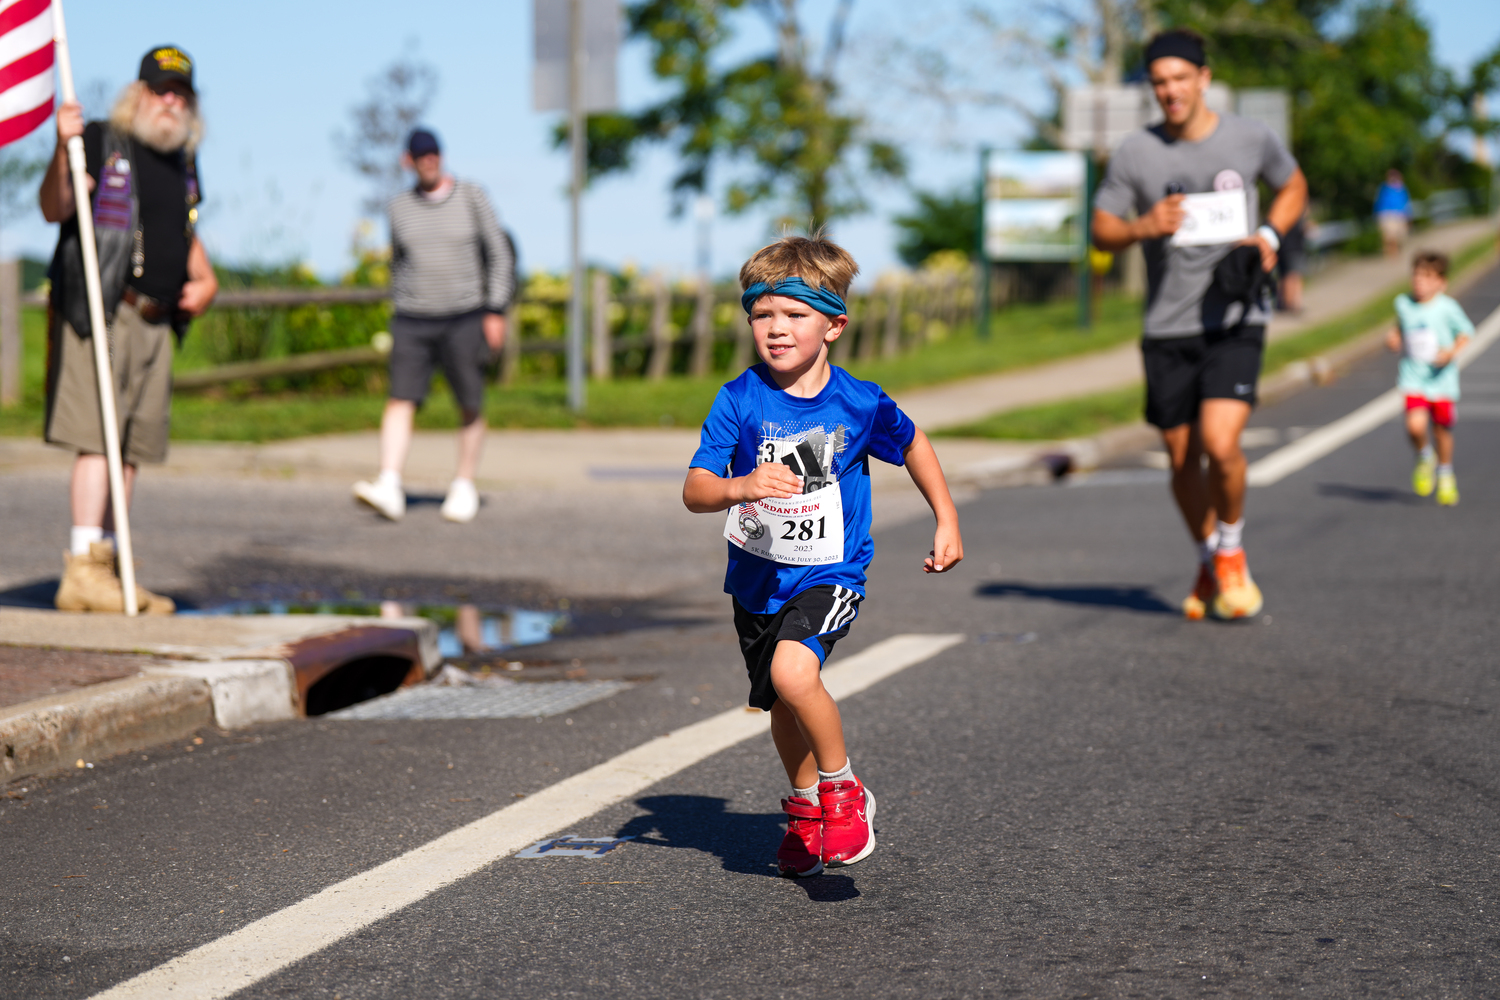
point(463, 629)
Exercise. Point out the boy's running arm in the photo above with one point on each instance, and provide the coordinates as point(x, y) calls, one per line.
point(922, 465)
point(705, 492)
point(1445, 357)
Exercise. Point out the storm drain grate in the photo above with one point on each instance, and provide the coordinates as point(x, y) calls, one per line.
point(510, 701)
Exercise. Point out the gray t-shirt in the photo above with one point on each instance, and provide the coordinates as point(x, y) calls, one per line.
point(1180, 298)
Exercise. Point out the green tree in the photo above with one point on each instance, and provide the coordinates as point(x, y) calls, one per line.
point(938, 222)
point(775, 115)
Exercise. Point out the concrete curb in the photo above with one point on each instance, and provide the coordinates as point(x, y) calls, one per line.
point(179, 694)
point(51, 734)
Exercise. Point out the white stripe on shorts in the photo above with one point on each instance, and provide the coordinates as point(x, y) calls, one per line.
point(843, 610)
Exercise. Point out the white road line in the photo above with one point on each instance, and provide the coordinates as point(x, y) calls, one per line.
point(270, 944)
point(1330, 437)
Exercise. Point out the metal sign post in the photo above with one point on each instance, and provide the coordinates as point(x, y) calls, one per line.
point(981, 258)
point(576, 44)
point(578, 150)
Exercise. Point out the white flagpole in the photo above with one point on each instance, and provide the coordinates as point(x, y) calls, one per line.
point(107, 411)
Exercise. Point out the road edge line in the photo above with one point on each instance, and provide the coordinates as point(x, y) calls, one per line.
point(260, 949)
point(1332, 436)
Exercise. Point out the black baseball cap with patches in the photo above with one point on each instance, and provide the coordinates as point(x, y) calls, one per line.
point(164, 63)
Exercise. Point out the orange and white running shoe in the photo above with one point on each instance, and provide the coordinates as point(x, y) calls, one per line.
point(1195, 605)
point(1238, 596)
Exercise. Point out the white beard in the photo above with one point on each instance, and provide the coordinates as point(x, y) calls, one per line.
point(167, 131)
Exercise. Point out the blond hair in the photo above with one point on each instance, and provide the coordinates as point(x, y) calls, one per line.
point(820, 262)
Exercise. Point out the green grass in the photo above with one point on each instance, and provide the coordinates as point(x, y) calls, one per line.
point(1021, 335)
point(1089, 415)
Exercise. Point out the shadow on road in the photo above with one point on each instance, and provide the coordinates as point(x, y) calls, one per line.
point(744, 842)
point(1369, 494)
point(1102, 596)
point(37, 594)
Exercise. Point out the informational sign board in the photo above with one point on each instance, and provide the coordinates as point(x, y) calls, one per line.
point(602, 28)
point(1034, 205)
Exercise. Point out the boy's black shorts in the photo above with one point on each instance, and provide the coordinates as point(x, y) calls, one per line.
point(1181, 372)
point(818, 617)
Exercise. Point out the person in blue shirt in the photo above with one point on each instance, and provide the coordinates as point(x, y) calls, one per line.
point(1393, 212)
point(786, 451)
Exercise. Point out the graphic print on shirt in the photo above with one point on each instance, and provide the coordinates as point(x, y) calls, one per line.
point(809, 450)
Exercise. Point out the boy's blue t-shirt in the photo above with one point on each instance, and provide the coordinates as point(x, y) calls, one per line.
point(753, 420)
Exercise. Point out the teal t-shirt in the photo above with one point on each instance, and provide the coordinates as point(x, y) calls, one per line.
point(1427, 328)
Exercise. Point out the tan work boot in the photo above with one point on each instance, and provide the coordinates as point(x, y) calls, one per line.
point(91, 583)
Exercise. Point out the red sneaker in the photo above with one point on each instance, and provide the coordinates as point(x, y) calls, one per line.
point(802, 847)
point(848, 822)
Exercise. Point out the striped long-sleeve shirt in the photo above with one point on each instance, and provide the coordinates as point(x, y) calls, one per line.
point(449, 257)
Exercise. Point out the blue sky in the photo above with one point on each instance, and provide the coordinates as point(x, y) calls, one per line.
point(278, 78)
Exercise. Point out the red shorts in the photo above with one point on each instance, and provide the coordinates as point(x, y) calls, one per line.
point(1442, 409)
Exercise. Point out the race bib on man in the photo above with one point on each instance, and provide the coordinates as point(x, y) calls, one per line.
point(1213, 218)
point(806, 530)
point(1421, 344)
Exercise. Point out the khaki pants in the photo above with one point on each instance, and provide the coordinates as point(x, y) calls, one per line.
point(141, 362)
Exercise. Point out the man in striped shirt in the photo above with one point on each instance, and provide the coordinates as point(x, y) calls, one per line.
point(452, 277)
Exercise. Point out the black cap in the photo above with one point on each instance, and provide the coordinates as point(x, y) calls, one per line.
point(421, 143)
point(1180, 44)
point(167, 62)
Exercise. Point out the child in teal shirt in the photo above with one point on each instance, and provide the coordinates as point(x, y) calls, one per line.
point(1431, 328)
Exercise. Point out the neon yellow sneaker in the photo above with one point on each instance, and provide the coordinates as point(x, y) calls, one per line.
point(1238, 596)
point(1421, 476)
point(1447, 489)
point(1195, 605)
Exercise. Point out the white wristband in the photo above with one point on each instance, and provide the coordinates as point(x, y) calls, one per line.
point(1269, 235)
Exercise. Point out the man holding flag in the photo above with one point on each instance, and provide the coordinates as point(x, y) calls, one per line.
point(155, 277)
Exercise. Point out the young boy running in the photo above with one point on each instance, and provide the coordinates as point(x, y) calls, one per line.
point(1431, 328)
point(786, 451)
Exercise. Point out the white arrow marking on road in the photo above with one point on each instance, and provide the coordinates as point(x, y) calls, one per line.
point(1331, 437)
point(270, 944)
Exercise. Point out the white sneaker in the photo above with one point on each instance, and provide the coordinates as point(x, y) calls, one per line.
point(388, 500)
point(462, 502)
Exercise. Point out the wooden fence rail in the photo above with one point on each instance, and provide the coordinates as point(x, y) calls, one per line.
point(634, 334)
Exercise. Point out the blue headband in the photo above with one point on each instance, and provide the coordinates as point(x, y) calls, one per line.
point(821, 299)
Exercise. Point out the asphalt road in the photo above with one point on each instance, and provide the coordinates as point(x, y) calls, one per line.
point(1089, 797)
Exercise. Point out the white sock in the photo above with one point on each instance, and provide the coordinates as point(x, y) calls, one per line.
point(1208, 547)
point(388, 480)
point(844, 773)
point(1230, 535)
point(810, 794)
point(82, 536)
point(1426, 454)
point(1445, 470)
point(460, 479)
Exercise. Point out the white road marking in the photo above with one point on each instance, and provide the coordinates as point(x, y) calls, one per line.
point(1331, 437)
point(260, 949)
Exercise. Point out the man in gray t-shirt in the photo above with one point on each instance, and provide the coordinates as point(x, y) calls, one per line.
point(1191, 184)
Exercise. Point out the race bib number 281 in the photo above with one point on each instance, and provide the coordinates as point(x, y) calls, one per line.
point(806, 530)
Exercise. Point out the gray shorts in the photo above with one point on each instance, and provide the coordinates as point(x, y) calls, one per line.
point(141, 362)
point(419, 343)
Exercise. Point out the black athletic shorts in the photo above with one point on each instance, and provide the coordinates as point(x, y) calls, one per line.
point(1181, 372)
point(818, 617)
point(421, 343)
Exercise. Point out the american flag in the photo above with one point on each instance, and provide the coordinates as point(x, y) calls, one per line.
point(25, 66)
